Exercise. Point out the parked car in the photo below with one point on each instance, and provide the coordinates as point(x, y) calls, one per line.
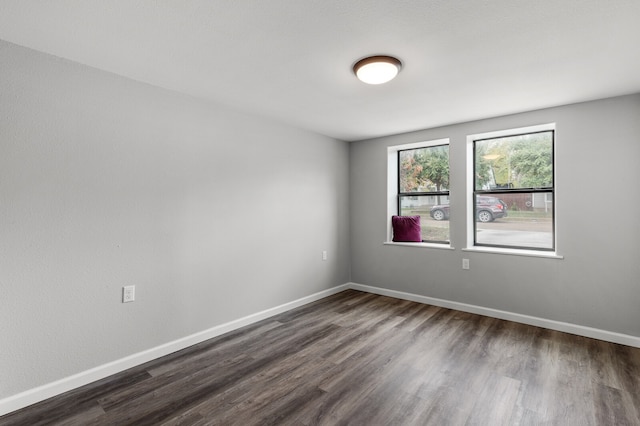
point(488, 209)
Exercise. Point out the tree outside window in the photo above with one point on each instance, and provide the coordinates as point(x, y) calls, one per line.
point(423, 185)
point(514, 191)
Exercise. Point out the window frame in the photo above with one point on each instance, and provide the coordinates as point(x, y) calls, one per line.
point(423, 194)
point(473, 192)
point(393, 188)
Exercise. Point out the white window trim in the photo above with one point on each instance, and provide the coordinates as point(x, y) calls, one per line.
point(515, 252)
point(470, 214)
point(420, 245)
point(392, 190)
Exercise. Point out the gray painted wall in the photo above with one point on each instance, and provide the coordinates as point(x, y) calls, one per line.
point(215, 215)
point(105, 182)
point(597, 284)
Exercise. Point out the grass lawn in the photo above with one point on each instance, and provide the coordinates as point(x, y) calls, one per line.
point(430, 233)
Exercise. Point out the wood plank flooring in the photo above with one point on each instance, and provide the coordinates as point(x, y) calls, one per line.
point(361, 359)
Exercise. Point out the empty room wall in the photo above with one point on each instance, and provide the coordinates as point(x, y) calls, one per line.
point(598, 232)
point(212, 214)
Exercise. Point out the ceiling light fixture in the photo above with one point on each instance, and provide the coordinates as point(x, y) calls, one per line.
point(377, 69)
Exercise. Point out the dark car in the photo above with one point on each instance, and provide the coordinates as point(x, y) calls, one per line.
point(487, 209)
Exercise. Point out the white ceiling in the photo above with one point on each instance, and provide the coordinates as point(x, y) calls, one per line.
point(291, 59)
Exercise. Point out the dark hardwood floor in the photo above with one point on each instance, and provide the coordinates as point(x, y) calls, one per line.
point(362, 359)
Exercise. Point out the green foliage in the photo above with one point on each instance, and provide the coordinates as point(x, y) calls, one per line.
point(515, 162)
point(435, 167)
point(424, 169)
point(532, 164)
point(523, 161)
point(484, 170)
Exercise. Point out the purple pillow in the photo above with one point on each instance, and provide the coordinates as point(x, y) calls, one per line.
point(406, 229)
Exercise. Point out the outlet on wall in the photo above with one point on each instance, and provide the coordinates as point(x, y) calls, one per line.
point(465, 263)
point(128, 293)
point(324, 255)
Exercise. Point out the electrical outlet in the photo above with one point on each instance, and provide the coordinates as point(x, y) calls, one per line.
point(324, 255)
point(128, 293)
point(465, 263)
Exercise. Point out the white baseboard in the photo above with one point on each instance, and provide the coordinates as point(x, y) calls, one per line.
point(32, 396)
point(579, 330)
point(58, 387)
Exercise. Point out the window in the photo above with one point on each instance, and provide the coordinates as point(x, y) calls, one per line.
point(423, 189)
point(513, 191)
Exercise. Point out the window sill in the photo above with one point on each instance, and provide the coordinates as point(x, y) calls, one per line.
point(515, 252)
point(420, 245)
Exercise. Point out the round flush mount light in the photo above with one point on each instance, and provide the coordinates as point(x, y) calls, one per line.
point(377, 69)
